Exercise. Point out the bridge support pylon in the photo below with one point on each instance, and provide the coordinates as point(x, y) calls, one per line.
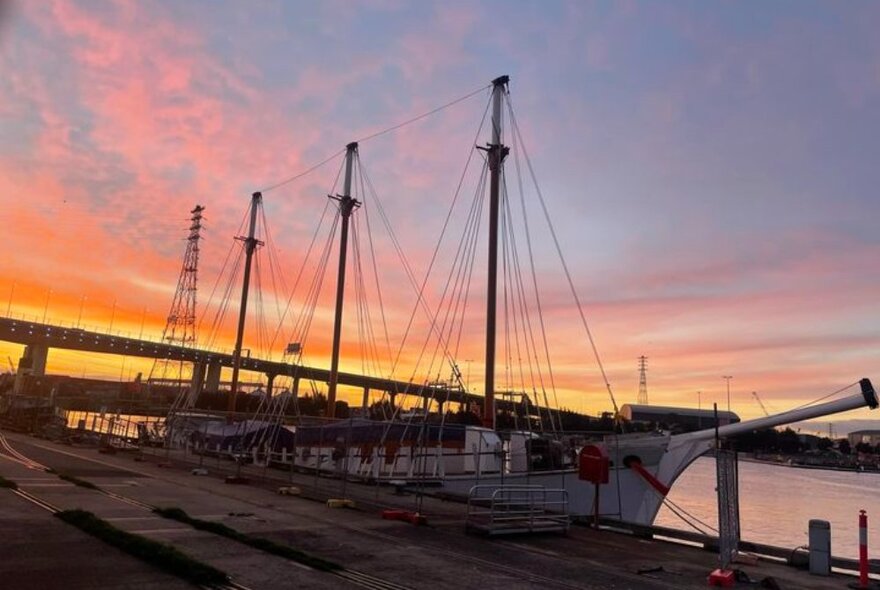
point(212, 381)
point(196, 383)
point(32, 362)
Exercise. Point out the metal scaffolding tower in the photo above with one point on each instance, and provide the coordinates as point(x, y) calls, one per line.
point(180, 328)
point(643, 381)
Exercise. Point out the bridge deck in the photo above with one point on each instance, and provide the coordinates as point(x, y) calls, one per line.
point(28, 333)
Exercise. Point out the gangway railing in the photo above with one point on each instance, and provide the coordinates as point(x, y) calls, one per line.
point(509, 509)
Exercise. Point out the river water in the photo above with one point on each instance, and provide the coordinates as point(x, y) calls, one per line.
point(777, 503)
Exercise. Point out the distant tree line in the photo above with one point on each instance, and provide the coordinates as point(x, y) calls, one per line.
point(789, 442)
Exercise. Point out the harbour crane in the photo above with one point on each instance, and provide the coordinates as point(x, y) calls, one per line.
point(760, 403)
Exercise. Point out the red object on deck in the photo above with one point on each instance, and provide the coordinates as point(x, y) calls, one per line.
point(405, 516)
point(863, 549)
point(593, 464)
point(658, 485)
point(722, 578)
point(416, 519)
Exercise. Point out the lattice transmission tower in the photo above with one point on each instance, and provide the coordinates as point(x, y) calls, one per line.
point(180, 329)
point(643, 380)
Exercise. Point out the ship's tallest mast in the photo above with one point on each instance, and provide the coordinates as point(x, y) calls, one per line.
point(496, 153)
point(250, 245)
point(347, 204)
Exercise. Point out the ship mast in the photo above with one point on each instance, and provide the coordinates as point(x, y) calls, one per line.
point(346, 205)
point(496, 153)
point(250, 245)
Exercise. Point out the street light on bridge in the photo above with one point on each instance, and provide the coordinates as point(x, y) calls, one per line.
point(728, 378)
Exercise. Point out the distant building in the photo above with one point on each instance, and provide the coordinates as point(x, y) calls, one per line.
point(678, 419)
point(872, 437)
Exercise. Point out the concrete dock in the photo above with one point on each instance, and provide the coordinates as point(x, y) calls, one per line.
point(41, 552)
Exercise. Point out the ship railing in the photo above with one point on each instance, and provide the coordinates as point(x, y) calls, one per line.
point(112, 428)
point(509, 509)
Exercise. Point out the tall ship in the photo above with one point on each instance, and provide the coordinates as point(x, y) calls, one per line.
point(416, 445)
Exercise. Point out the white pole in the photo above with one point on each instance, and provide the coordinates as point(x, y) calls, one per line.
point(867, 397)
point(728, 378)
point(143, 317)
point(9, 304)
point(46, 308)
point(79, 316)
point(112, 316)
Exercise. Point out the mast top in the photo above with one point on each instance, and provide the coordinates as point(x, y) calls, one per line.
point(352, 146)
point(501, 81)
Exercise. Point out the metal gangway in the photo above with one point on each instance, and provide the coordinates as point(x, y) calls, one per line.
point(509, 509)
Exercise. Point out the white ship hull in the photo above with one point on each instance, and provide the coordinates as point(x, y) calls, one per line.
point(631, 495)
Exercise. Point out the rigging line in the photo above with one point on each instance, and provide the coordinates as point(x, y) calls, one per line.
point(222, 305)
point(373, 340)
point(371, 348)
point(227, 298)
point(456, 328)
point(519, 313)
point(583, 317)
point(420, 302)
point(260, 305)
point(374, 135)
point(303, 173)
point(471, 257)
point(304, 322)
point(261, 325)
point(534, 277)
point(449, 300)
point(528, 332)
point(358, 295)
point(824, 397)
point(666, 500)
point(537, 294)
point(300, 273)
point(219, 276)
point(517, 306)
point(685, 520)
point(424, 115)
point(471, 228)
point(308, 254)
point(439, 332)
point(307, 315)
point(465, 259)
point(368, 346)
point(274, 265)
point(507, 308)
point(373, 261)
point(420, 291)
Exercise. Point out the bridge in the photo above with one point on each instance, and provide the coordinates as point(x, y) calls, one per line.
point(38, 338)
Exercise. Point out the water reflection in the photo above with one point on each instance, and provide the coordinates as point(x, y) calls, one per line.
point(777, 502)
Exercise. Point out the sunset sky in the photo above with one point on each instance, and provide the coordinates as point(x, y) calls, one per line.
point(711, 170)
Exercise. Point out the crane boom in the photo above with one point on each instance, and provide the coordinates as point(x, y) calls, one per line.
point(760, 403)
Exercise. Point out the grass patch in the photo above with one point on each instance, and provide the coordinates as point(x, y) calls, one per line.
point(8, 483)
point(78, 482)
point(158, 554)
point(260, 543)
